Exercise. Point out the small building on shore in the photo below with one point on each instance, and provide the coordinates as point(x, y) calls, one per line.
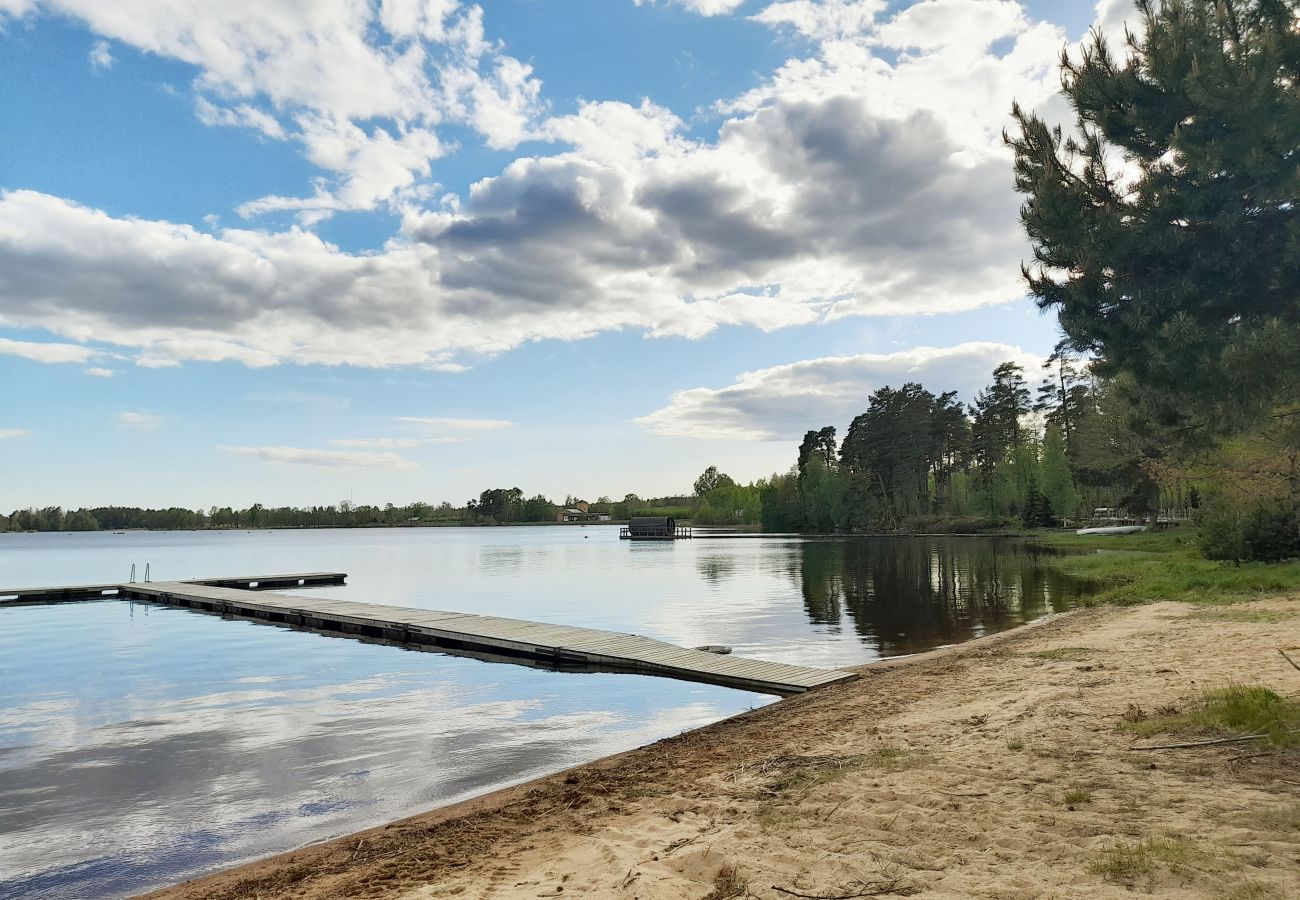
point(580, 512)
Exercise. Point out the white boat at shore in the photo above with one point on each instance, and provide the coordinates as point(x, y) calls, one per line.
point(1113, 529)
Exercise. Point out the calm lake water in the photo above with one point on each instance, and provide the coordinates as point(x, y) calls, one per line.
point(143, 745)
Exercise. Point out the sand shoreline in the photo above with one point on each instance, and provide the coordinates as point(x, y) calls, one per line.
point(942, 774)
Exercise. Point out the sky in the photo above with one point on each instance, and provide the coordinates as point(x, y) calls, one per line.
point(302, 251)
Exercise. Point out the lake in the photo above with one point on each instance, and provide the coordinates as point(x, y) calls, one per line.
point(143, 745)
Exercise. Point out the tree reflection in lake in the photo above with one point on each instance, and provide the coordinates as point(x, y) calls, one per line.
point(906, 595)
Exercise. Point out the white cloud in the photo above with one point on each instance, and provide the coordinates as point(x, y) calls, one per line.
point(141, 421)
point(242, 116)
point(374, 166)
point(309, 70)
point(326, 459)
point(45, 352)
point(1114, 16)
point(7, 433)
point(703, 7)
point(971, 25)
point(822, 19)
point(97, 372)
point(377, 443)
point(782, 402)
point(101, 57)
point(458, 424)
point(853, 181)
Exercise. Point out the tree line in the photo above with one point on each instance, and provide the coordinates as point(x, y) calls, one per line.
point(917, 459)
point(496, 506)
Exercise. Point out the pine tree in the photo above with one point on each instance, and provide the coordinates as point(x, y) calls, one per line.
point(1063, 398)
point(996, 429)
point(1185, 276)
point(817, 444)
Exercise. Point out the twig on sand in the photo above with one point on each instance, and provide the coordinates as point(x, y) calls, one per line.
point(869, 889)
point(1289, 659)
point(1240, 739)
point(679, 844)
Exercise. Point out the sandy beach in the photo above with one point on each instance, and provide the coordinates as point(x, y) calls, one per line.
point(995, 769)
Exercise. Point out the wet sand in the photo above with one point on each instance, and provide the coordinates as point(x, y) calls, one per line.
point(943, 775)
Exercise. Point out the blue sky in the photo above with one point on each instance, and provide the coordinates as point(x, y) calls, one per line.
point(412, 249)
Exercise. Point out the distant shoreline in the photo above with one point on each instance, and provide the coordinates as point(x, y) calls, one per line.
point(701, 530)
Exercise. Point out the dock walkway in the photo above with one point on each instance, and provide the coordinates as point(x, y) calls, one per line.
point(557, 645)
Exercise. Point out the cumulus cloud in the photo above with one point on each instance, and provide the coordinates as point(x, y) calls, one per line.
point(45, 352)
point(782, 402)
point(970, 24)
point(141, 421)
point(1114, 17)
point(7, 433)
point(853, 181)
point(325, 74)
point(822, 20)
point(97, 372)
point(325, 459)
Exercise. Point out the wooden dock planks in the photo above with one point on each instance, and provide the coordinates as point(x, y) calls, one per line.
point(75, 593)
point(491, 636)
point(494, 634)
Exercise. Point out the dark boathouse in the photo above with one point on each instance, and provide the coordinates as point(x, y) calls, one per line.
point(654, 528)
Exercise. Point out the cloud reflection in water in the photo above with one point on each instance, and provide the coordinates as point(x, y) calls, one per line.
point(157, 747)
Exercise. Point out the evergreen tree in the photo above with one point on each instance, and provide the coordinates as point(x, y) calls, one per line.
point(1063, 398)
point(996, 429)
point(890, 449)
point(819, 444)
point(1186, 276)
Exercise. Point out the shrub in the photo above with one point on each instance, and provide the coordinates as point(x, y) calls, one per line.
point(1242, 534)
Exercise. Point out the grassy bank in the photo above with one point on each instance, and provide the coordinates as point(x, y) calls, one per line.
point(1165, 565)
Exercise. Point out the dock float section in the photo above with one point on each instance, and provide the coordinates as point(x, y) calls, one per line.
point(554, 645)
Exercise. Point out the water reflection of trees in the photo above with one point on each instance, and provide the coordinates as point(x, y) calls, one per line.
point(716, 568)
point(903, 595)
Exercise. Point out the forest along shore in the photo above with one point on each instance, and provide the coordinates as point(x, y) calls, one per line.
point(1004, 767)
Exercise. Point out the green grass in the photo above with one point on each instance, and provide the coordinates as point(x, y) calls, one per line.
point(1234, 710)
point(1125, 863)
point(1075, 798)
point(1163, 565)
point(1015, 745)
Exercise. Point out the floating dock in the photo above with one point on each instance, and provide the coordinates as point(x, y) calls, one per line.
point(557, 646)
point(79, 592)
